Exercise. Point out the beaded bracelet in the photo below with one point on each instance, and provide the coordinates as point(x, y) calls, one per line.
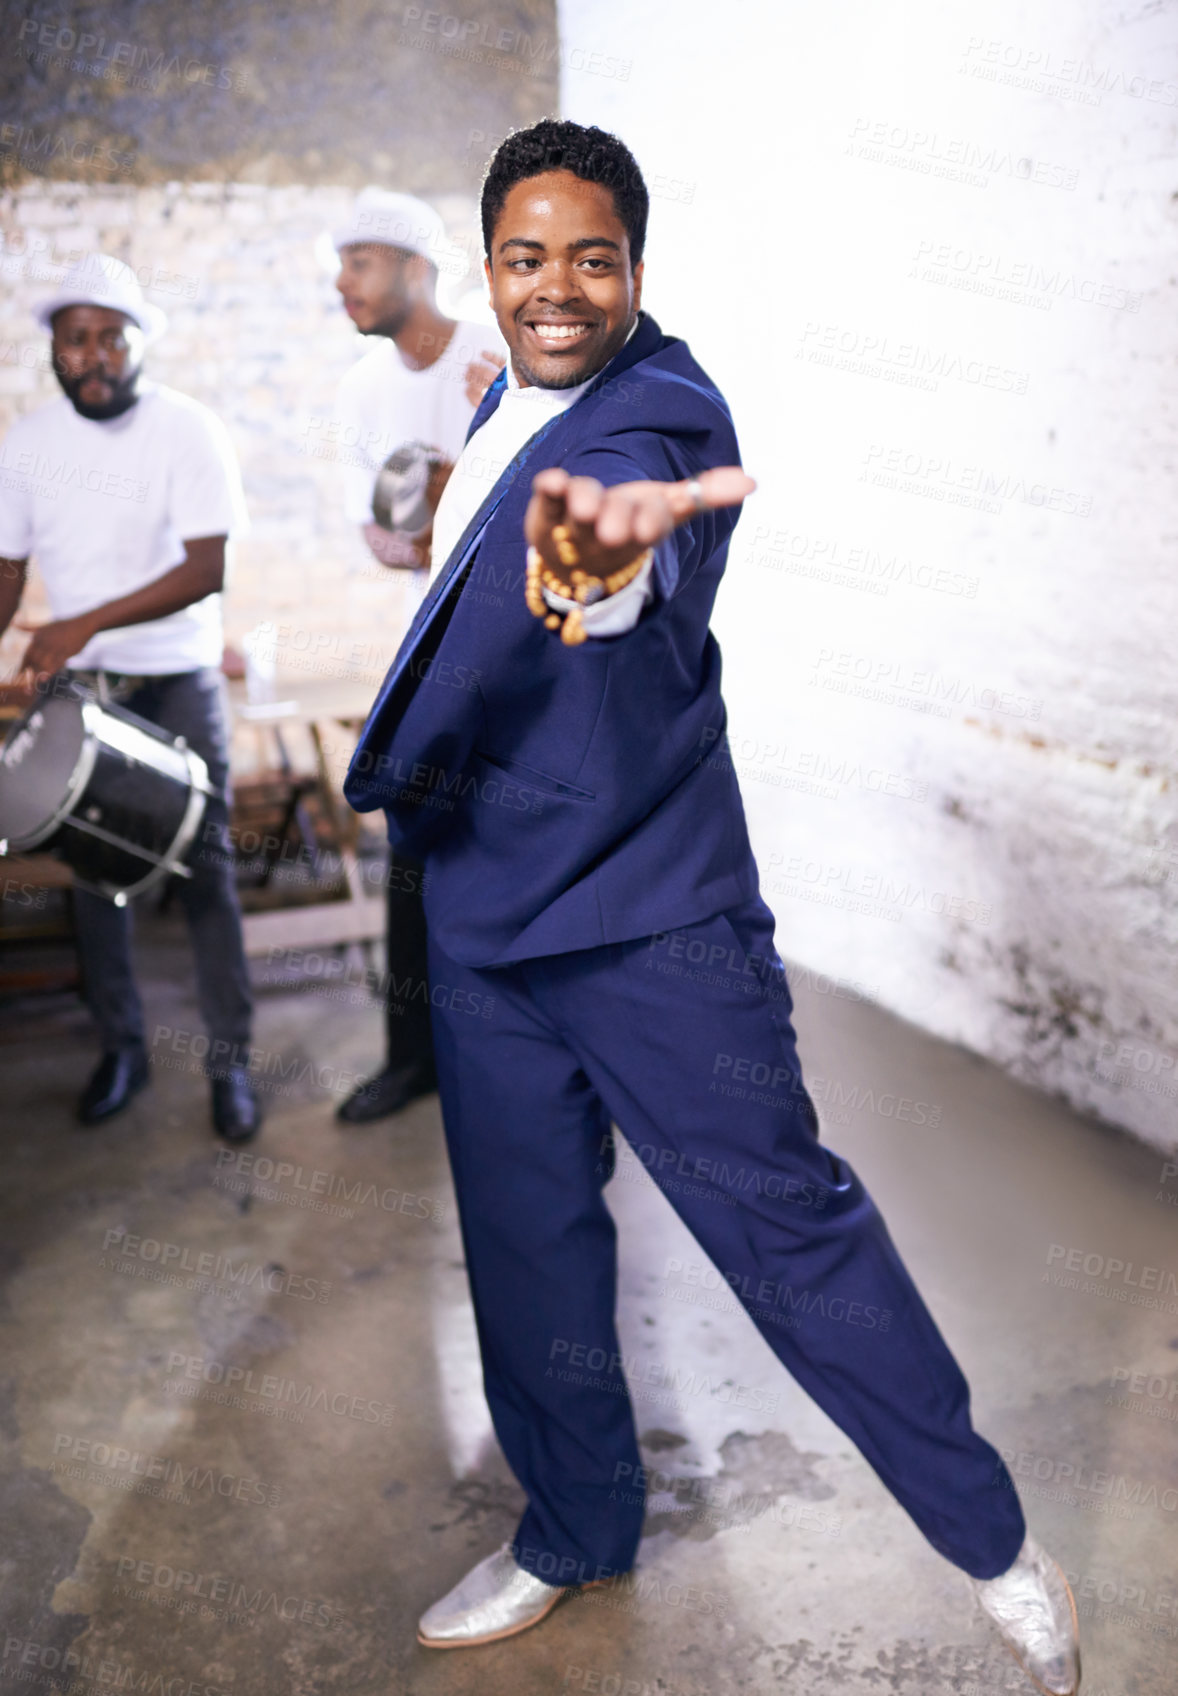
point(558, 603)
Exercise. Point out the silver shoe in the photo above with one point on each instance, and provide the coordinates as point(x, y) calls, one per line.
point(1034, 1609)
point(496, 1599)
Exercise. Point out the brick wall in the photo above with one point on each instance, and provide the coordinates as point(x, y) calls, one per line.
point(256, 332)
point(210, 145)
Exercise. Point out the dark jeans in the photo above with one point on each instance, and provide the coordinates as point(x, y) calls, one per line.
point(408, 1034)
point(189, 704)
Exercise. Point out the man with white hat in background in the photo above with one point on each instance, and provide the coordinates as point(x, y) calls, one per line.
point(416, 390)
point(126, 493)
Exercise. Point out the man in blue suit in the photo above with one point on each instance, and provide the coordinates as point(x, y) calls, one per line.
point(550, 738)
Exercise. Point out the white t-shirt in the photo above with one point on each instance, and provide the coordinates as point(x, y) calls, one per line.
point(384, 405)
point(520, 413)
point(104, 508)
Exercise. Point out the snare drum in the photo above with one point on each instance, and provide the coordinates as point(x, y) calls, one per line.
point(117, 798)
point(400, 497)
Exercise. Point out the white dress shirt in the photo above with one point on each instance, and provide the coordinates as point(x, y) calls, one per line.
point(520, 413)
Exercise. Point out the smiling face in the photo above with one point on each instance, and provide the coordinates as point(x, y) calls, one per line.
point(561, 283)
point(97, 355)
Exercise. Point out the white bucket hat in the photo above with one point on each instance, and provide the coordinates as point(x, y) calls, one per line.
point(99, 280)
point(400, 220)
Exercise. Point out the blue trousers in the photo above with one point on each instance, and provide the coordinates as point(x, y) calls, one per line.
point(686, 1043)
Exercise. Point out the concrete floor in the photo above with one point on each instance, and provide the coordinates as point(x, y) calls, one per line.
point(164, 1541)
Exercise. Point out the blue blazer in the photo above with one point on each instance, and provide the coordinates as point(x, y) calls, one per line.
point(564, 798)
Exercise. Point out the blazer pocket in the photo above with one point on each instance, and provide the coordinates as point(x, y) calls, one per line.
point(533, 779)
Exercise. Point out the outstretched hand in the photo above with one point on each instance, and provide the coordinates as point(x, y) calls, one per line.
point(609, 527)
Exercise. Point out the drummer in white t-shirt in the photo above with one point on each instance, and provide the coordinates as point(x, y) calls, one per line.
point(125, 493)
point(419, 384)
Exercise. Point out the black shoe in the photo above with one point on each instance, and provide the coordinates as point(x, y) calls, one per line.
point(120, 1074)
point(237, 1113)
point(388, 1092)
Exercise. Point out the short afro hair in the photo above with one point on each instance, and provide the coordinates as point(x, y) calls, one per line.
point(559, 145)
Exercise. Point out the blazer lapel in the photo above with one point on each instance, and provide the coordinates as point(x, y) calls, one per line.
point(641, 344)
point(459, 555)
point(488, 404)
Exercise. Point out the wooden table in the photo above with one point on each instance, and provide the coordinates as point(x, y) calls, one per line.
point(317, 704)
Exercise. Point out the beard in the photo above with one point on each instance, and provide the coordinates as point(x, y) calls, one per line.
point(392, 321)
point(535, 381)
point(123, 395)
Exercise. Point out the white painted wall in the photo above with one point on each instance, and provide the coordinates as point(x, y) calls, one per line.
point(929, 254)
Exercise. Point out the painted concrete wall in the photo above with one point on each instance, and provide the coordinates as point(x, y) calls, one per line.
point(286, 91)
point(929, 254)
